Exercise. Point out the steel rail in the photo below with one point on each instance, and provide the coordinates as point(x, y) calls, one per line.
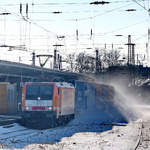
point(139, 137)
point(9, 136)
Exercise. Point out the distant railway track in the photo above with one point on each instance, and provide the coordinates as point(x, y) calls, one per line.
point(13, 131)
point(28, 131)
point(143, 141)
point(17, 133)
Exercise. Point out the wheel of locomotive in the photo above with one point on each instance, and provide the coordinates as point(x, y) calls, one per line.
point(67, 119)
point(56, 122)
point(59, 122)
point(21, 121)
point(64, 120)
point(50, 122)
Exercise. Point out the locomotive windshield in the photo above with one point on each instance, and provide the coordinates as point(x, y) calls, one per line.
point(39, 92)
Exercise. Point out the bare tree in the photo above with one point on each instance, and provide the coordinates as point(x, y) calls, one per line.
point(71, 61)
point(110, 58)
point(85, 63)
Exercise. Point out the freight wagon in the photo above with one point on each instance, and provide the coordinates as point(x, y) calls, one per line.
point(47, 103)
point(8, 98)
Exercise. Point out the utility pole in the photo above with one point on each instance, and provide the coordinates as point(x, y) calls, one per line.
point(131, 51)
point(54, 64)
point(148, 49)
point(97, 61)
point(131, 60)
point(112, 46)
point(27, 10)
point(60, 62)
point(137, 60)
point(147, 54)
point(147, 9)
point(33, 59)
point(56, 57)
point(133, 54)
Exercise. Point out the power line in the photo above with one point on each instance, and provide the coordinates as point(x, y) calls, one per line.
point(68, 12)
point(125, 27)
point(30, 21)
point(97, 15)
point(46, 30)
point(142, 36)
point(56, 4)
point(140, 5)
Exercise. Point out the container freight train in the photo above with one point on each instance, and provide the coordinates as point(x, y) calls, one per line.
point(47, 104)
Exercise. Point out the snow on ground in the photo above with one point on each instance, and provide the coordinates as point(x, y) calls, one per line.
point(74, 136)
point(83, 133)
point(119, 138)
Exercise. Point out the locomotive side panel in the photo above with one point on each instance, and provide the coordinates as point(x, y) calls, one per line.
point(55, 98)
point(67, 98)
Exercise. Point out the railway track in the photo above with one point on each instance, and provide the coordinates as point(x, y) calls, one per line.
point(143, 141)
point(21, 131)
point(8, 134)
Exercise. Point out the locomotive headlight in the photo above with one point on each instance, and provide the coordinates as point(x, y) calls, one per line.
point(38, 97)
point(27, 108)
point(49, 108)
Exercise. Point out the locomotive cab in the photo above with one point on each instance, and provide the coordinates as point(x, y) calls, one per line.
point(47, 101)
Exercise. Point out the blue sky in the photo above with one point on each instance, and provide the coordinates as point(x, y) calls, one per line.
point(40, 34)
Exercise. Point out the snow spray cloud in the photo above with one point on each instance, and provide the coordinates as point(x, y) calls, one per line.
point(98, 103)
point(127, 100)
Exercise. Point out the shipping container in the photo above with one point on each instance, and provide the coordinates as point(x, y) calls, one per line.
point(8, 98)
point(97, 101)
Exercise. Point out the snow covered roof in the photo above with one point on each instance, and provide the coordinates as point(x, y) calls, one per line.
point(64, 84)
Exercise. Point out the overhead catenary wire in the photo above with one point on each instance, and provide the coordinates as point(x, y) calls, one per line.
point(125, 27)
point(140, 37)
point(29, 37)
point(97, 34)
point(4, 29)
point(60, 3)
point(100, 14)
point(140, 5)
point(25, 30)
point(31, 21)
